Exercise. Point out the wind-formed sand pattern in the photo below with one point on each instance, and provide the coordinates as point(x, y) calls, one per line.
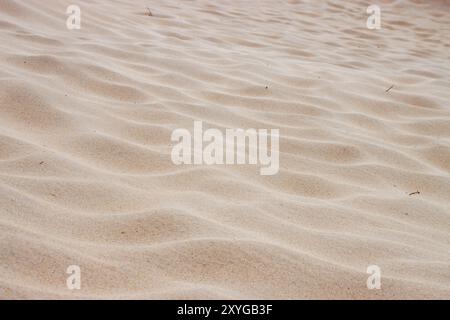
point(86, 176)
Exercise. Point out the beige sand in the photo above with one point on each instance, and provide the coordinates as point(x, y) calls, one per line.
point(86, 176)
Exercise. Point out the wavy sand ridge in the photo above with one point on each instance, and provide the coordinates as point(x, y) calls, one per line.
point(86, 176)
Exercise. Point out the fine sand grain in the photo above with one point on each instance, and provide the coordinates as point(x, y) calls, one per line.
point(86, 176)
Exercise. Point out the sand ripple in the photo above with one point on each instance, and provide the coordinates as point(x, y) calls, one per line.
point(85, 170)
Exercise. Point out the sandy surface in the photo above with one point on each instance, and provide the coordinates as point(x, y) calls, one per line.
point(86, 176)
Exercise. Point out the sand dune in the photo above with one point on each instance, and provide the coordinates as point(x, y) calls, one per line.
point(86, 176)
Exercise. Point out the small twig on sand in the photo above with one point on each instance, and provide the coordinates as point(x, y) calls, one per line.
point(149, 12)
point(415, 192)
point(387, 90)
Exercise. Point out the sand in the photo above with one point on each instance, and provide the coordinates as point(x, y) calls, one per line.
point(86, 176)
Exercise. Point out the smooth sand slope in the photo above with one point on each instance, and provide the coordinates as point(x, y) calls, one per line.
point(86, 176)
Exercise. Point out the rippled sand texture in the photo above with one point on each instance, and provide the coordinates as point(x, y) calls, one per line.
point(86, 176)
